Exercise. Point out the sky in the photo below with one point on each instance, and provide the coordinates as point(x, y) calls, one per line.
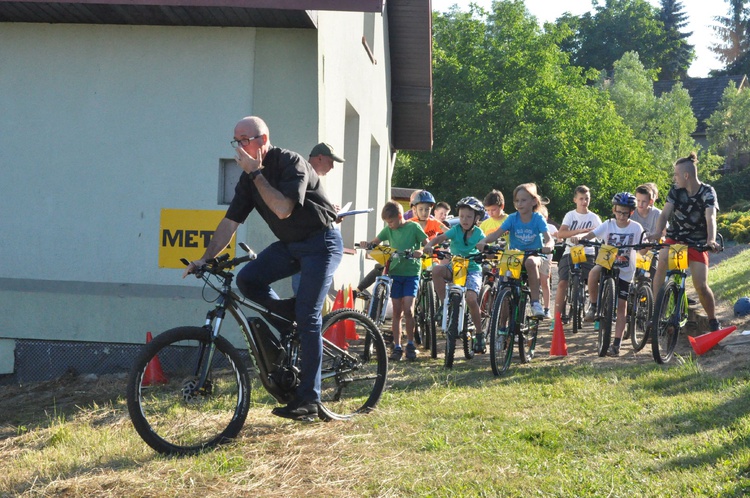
point(700, 19)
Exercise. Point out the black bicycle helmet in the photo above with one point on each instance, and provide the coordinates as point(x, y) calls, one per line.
point(423, 197)
point(472, 203)
point(624, 199)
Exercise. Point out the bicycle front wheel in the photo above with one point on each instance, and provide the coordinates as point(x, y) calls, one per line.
point(378, 304)
point(640, 316)
point(575, 292)
point(454, 307)
point(500, 333)
point(431, 322)
point(607, 305)
point(169, 410)
point(352, 378)
point(666, 323)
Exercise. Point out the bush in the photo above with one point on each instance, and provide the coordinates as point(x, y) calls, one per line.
point(734, 225)
point(733, 190)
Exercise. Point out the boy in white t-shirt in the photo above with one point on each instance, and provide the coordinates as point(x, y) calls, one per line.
point(580, 221)
point(618, 232)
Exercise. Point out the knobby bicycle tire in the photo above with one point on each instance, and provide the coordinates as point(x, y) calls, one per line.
point(467, 337)
point(378, 304)
point(576, 305)
point(166, 410)
point(640, 316)
point(522, 321)
point(665, 323)
point(500, 332)
point(352, 380)
point(486, 302)
point(605, 320)
point(531, 331)
point(432, 322)
point(451, 335)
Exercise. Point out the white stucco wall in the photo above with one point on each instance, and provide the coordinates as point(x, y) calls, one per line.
point(103, 126)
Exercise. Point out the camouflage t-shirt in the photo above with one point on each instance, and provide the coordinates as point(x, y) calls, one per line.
point(688, 221)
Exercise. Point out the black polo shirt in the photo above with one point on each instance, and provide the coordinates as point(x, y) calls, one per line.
point(290, 174)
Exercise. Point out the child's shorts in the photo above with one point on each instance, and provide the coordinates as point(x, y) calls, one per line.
point(404, 287)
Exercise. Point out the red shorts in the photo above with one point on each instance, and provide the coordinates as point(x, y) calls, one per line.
point(693, 255)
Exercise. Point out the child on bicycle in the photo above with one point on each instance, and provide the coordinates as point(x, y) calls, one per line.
point(494, 203)
point(579, 221)
point(422, 206)
point(463, 241)
point(528, 232)
point(645, 213)
point(620, 231)
point(403, 236)
point(441, 211)
point(544, 268)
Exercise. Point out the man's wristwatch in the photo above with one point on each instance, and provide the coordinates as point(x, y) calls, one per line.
point(254, 174)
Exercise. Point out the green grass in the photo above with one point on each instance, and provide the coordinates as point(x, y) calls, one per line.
point(609, 428)
point(731, 279)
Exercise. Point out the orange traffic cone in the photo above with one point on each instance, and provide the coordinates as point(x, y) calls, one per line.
point(559, 348)
point(337, 333)
point(351, 331)
point(704, 342)
point(153, 374)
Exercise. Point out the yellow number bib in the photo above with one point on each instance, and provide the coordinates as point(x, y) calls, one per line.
point(460, 270)
point(382, 254)
point(678, 257)
point(511, 261)
point(578, 254)
point(607, 256)
point(643, 261)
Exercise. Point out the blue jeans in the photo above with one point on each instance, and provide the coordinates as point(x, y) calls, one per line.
point(316, 259)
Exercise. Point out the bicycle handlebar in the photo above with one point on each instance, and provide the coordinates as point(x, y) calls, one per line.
point(219, 265)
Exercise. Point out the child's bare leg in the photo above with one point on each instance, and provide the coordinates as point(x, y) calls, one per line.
point(407, 307)
point(396, 322)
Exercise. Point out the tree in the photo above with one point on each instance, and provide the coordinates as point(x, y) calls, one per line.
point(728, 128)
point(618, 26)
point(678, 53)
point(509, 109)
point(733, 31)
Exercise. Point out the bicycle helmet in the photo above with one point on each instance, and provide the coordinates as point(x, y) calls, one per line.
point(624, 199)
point(423, 197)
point(472, 203)
point(742, 307)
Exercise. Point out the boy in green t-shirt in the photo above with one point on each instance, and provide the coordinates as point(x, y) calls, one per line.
point(404, 272)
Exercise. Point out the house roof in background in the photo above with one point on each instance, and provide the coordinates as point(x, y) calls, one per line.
point(409, 31)
point(705, 94)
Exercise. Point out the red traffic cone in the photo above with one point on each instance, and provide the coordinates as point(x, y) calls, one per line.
point(351, 331)
point(153, 374)
point(337, 333)
point(704, 342)
point(559, 348)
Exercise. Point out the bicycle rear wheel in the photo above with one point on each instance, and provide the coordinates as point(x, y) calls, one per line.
point(607, 306)
point(169, 410)
point(501, 332)
point(451, 335)
point(640, 316)
point(666, 323)
point(352, 378)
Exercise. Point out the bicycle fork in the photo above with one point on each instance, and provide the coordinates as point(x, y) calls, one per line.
point(385, 281)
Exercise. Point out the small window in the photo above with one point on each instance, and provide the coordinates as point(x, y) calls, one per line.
point(229, 175)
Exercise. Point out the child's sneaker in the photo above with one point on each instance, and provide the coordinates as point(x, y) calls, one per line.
point(397, 354)
point(713, 325)
point(479, 343)
point(552, 326)
point(411, 352)
point(547, 314)
point(613, 350)
point(590, 313)
point(537, 310)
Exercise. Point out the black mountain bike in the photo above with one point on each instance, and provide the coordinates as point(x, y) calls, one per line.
point(577, 294)
point(203, 396)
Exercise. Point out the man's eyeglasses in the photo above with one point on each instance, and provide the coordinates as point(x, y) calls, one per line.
point(622, 213)
point(243, 142)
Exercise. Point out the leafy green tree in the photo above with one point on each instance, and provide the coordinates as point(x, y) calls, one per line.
point(510, 109)
point(600, 38)
point(728, 128)
point(733, 30)
point(664, 124)
point(678, 53)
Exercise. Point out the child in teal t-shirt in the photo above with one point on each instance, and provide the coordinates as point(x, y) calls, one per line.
point(463, 240)
point(404, 272)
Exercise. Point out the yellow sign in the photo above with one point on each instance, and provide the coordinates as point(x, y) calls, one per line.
point(578, 254)
point(460, 270)
point(678, 257)
point(382, 254)
point(512, 261)
point(607, 256)
point(643, 261)
point(185, 233)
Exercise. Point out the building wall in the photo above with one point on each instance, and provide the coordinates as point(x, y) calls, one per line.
point(104, 126)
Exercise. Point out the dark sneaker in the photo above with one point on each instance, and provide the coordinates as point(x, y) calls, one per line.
point(364, 295)
point(479, 343)
point(691, 301)
point(714, 325)
point(613, 350)
point(306, 412)
point(411, 352)
point(397, 354)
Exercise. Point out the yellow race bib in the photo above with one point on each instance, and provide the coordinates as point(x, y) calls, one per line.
point(382, 254)
point(607, 256)
point(643, 261)
point(578, 254)
point(511, 261)
point(678, 257)
point(460, 270)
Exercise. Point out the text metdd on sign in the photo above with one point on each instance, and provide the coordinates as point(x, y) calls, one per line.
point(185, 233)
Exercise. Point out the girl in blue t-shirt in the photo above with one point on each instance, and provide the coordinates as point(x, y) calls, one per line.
point(528, 232)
